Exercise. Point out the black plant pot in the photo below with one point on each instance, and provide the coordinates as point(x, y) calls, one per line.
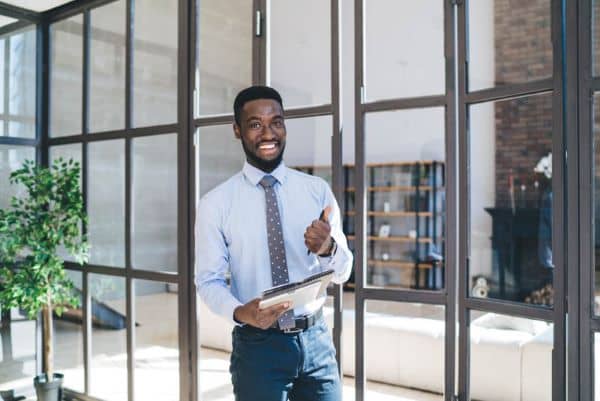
point(48, 391)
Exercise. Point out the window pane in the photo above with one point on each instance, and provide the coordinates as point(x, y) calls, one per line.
point(109, 338)
point(509, 42)
point(106, 202)
point(154, 228)
point(155, 63)
point(510, 192)
point(405, 198)
point(413, 369)
point(66, 152)
point(107, 67)
point(224, 60)
point(595, 4)
point(68, 331)
point(520, 350)
point(11, 159)
point(66, 75)
point(219, 156)
point(156, 339)
point(21, 82)
point(17, 344)
point(596, 194)
point(394, 66)
point(300, 58)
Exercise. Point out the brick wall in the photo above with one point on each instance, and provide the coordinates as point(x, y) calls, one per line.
point(523, 52)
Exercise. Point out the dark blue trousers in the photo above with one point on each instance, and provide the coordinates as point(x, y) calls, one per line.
point(267, 365)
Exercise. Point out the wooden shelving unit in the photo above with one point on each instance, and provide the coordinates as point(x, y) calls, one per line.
point(414, 193)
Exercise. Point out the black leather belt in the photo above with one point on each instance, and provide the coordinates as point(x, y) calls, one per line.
point(302, 322)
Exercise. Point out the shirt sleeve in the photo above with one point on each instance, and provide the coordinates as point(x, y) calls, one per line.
point(212, 260)
point(341, 260)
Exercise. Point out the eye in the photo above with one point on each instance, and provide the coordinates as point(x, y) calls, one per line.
point(278, 124)
point(255, 125)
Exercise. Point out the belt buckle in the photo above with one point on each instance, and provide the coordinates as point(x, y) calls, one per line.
point(293, 330)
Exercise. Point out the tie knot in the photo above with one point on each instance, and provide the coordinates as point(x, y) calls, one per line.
point(268, 181)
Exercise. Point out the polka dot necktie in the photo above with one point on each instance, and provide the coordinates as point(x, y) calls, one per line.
point(279, 270)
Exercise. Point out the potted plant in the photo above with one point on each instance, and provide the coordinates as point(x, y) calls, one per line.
point(32, 231)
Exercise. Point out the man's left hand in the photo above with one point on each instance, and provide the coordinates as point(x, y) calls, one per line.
point(318, 235)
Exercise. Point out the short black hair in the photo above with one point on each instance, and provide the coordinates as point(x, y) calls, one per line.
point(253, 93)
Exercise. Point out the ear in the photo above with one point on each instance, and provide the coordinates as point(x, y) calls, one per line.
point(237, 131)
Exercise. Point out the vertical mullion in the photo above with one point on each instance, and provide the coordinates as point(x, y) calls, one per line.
point(361, 207)
point(129, 285)
point(558, 152)
point(581, 279)
point(87, 304)
point(185, 192)
point(463, 212)
point(259, 43)
point(337, 166)
point(42, 91)
point(450, 181)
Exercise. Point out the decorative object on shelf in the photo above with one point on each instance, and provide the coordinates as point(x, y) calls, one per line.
point(481, 288)
point(387, 207)
point(384, 230)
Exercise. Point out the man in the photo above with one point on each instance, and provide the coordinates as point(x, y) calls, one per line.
point(258, 225)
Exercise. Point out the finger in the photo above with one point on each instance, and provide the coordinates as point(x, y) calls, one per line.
point(326, 213)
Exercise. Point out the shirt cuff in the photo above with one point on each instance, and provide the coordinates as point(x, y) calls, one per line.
point(228, 307)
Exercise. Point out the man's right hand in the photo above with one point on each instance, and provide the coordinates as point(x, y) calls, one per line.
point(251, 314)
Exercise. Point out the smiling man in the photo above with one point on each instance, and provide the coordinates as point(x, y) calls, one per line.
point(258, 225)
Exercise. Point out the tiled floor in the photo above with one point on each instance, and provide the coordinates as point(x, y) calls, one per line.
point(156, 357)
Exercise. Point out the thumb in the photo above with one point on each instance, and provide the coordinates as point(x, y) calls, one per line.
point(326, 213)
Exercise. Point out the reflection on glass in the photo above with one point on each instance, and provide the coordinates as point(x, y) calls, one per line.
point(69, 342)
point(224, 43)
point(21, 84)
point(17, 344)
point(596, 183)
point(400, 68)
point(107, 67)
point(11, 159)
point(66, 64)
point(157, 345)
point(596, 370)
point(520, 350)
point(220, 156)
point(66, 152)
point(511, 200)
point(109, 342)
point(106, 202)
point(413, 369)
point(405, 198)
point(300, 58)
point(154, 193)
point(155, 63)
point(595, 37)
point(509, 42)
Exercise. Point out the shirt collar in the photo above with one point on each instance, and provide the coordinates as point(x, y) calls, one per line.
point(254, 175)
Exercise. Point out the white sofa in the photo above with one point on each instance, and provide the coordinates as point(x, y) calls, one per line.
point(510, 357)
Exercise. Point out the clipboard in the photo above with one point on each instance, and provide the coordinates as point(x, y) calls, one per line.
point(297, 293)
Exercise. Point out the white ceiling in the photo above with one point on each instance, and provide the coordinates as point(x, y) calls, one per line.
point(6, 20)
point(37, 5)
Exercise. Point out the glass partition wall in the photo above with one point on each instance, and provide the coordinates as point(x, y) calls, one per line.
point(457, 194)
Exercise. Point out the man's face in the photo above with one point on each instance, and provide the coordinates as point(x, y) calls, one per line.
point(262, 132)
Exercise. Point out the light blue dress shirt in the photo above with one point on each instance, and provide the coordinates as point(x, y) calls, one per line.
point(231, 236)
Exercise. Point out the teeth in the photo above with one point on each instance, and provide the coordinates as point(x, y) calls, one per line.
point(268, 146)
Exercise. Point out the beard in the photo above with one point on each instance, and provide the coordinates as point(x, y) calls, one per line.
point(262, 164)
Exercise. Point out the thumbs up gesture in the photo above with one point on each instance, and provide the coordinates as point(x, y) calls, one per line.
point(317, 236)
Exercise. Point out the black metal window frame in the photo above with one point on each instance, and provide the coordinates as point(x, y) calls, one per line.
point(466, 304)
point(181, 127)
point(444, 297)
